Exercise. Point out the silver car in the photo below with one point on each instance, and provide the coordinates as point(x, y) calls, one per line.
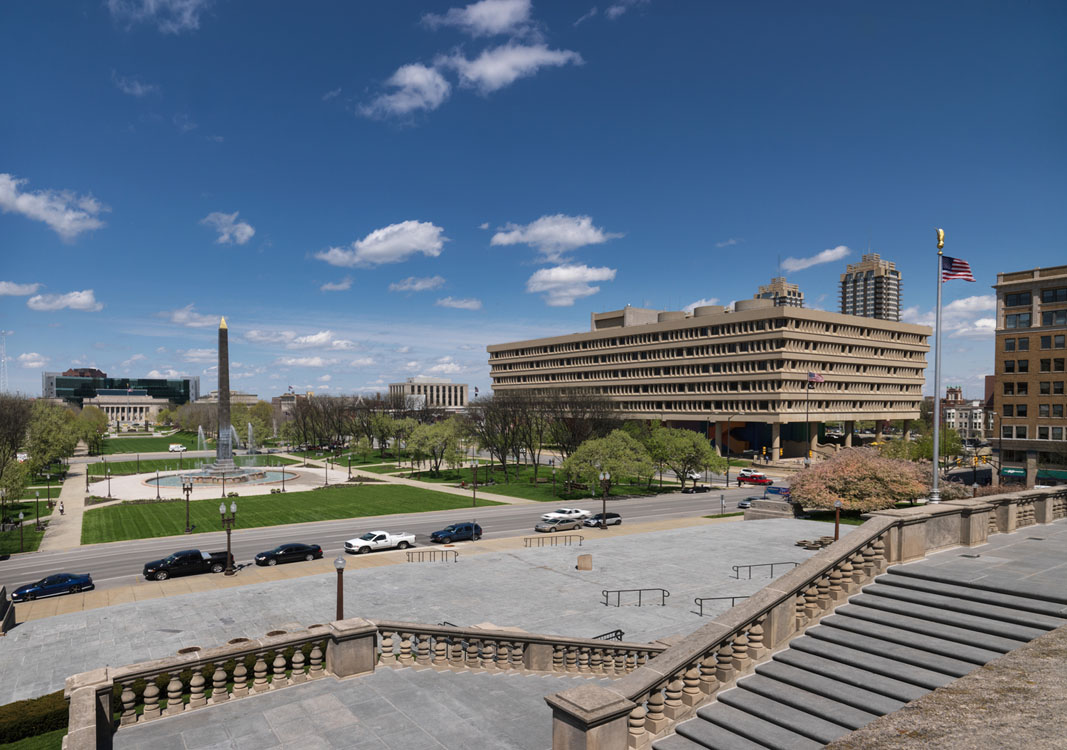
point(558, 524)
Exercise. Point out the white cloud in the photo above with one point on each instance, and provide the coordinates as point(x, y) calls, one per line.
point(32, 360)
point(202, 356)
point(325, 378)
point(331, 94)
point(484, 225)
point(977, 303)
point(700, 303)
point(361, 362)
point(553, 235)
point(184, 123)
point(619, 8)
point(169, 16)
point(402, 349)
point(67, 214)
point(135, 358)
point(470, 303)
point(417, 87)
point(337, 286)
point(186, 316)
point(230, 230)
point(727, 243)
point(84, 300)
point(961, 318)
point(304, 361)
point(391, 244)
point(417, 284)
point(979, 328)
point(485, 18)
point(562, 285)
point(501, 66)
point(826, 256)
point(167, 372)
point(11, 289)
point(445, 366)
point(411, 365)
point(133, 86)
point(592, 12)
point(320, 340)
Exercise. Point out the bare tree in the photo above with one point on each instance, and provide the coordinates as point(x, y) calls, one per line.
point(576, 416)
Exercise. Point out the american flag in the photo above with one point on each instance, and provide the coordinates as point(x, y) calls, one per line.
point(814, 377)
point(954, 268)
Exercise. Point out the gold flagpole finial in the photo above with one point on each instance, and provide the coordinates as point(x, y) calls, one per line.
point(940, 238)
point(222, 324)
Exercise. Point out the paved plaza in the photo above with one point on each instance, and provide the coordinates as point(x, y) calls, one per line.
point(538, 590)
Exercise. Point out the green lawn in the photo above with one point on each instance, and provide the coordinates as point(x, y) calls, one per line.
point(31, 539)
point(148, 444)
point(521, 486)
point(379, 469)
point(120, 468)
point(49, 741)
point(727, 515)
point(13, 509)
point(122, 522)
point(31, 492)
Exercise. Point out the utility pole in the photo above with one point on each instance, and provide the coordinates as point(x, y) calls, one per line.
point(3, 359)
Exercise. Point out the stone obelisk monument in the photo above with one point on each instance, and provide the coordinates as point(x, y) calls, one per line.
point(224, 444)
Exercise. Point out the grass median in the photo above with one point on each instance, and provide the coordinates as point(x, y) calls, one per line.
point(149, 465)
point(149, 444)
point(117, 523)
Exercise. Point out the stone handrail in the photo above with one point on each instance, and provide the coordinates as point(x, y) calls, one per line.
point(443, 647)
point(650, 700)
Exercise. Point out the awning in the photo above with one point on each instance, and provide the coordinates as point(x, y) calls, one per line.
point(1051, 474)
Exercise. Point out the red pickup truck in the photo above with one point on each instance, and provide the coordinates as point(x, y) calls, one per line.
point(760, 479)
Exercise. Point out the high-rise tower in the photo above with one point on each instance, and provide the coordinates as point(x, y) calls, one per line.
point(871, 288)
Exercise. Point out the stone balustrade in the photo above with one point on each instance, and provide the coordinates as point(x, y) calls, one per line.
point(647, 703)
point(404, 644)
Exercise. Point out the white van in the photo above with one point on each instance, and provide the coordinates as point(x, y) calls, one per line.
point(177, 448)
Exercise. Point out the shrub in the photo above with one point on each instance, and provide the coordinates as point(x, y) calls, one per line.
point(861, 479)
point(32, 717)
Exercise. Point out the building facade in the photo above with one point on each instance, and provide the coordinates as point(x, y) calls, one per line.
point(871, 289)
point(782, 293)
point(969, 418)
point(132, 409)
point(74, 389)
point(236, 397)
point(741, 375)
point(437, 393)
point(1031, 371)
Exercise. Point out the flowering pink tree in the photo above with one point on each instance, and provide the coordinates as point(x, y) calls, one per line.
point(861, 479)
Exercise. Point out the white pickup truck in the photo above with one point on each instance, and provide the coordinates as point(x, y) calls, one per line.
point(379, 540)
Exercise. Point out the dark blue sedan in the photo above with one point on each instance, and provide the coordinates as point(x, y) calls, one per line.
point(60, 583)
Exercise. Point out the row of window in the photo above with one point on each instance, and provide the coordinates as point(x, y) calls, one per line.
point(1018, 432)
point(1054, 411)
point(1048, 318)
point(1024, 298)
point(1013, 366)
point(1046, 388)
point(1056, 341)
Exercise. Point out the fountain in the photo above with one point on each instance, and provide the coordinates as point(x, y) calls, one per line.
point(201, 443)
point(251, 446)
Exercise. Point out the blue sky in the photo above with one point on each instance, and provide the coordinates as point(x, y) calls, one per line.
point(375, 190)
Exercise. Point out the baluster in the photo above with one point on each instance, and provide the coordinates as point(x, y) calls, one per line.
point(879, 555)
point(517, 654)
point(620, 661)
point(240, 679)
point(636, 721)
point(691, 681)
point(740, 648)
point(811, 602)
point(259, 684)
point(388, 658)
point(279, 679)
point(455, 654)
point(868, 561)
point(801, 616)
point(472, 653)
point(488, 660)
point(298, 675)
point(708, 684)
point(315, 670)
point(672, 703)
point(724, 663)
point(836, 594)
point(571, 658)
point(174, 697)
point(218, 685)
point(503, 655)
point(596, 662)
point(422, 648)
point(129, 704)
point(151, 701)
point(756, 649)
point(640, 658)
point(846, 575)
point(557, 658)
point(583, 659)
point(405, 649)
point(655, 721)
point(823, 588)
point(440, 651)
point(858, 577)
point(196, 690)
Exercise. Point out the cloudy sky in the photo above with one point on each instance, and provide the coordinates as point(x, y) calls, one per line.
point(374, 190)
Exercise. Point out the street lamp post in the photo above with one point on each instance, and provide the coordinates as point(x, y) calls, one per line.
point(138, 463)
point(552, 463)
point(157, 484)
point(187, 488)
point(108, 482)
point(223, 485)
point(86, 477)
point(726, 445)
point(339, 563)
point(837, 519)
point(228, 523)
point(326, 473)
point(20, 531)
point(474, 485)
point(283, 478)
point(350, 468)
point(37, 510)
point(605, 483)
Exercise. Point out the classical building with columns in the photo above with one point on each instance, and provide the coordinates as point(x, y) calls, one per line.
point(736, 375)
point(127, 409)
point(439, 393)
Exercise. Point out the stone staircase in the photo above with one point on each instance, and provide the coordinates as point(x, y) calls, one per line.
point(907, 633)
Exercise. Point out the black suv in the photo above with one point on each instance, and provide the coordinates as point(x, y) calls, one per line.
point(457, 532)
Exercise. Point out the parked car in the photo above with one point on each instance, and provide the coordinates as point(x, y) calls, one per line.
point(184, 563)
point(574, 514)
point(291, 552)
point(373, 540)
point(748, 471)
point(747, 502)
point(696, 488)
point(610, 519)
point(177, 448)
point(457, 532)
point(558, 524)
point(60, 583)
point(760, 479)
point(694, 475)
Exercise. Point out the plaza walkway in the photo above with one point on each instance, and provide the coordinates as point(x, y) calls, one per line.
point(65, 531)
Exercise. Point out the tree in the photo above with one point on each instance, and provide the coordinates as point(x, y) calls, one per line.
point(52, 435)
point(14, 423)
point(363, 446)
point(861, 478)
point(618, 454)
point(576, 416)
point(493, 423)
point(13, 482)
point(402, 429)
point(382, 426)
point(438, 441)
point(92, 426)
point(685, 451)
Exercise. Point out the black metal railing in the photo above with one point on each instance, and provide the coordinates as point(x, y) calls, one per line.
point(433, 555)
point(448, 624)
point(699, 601)
point(552, 540)
point(611, 635)
point(737, 568)
point(641, 593)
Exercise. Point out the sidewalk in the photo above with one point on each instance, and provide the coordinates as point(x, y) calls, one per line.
point(65, 532)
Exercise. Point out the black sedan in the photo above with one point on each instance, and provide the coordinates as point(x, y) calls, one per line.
point(53, 585)
point(292, 552)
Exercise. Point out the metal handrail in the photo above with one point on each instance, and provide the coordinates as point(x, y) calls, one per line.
point(431, 555)
point(737, 568)
point(448, 624)
point(699, 601)
point(611, 635)
point(552, 540)
point(663, 594)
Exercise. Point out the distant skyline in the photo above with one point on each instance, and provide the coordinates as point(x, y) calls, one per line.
point(369, 192)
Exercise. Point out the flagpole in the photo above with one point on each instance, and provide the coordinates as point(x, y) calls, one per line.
point(807, 421)
point(935, 490)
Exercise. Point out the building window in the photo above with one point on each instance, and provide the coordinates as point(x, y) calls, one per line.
point(1022, 365)
point(1017, 320)
point(1046, 365)
point(1006, 431)
point(1057, 387)
point(1042, 410)
point(1017, 300)
point(1058, 341)
point(1057, 433)
point(1057, 411)
point(1020, 432)
point(1020, 410)
point(1021, 389)
point(1009, 365)
point(1044, 388)
point(1042, 433)
point(1054, 295)
point(1009, 410)
point(1009, 389)
point(1009, 345)
point(1054, 318)
point(1057, 365)
point(1024, 344)
point(1046, 342)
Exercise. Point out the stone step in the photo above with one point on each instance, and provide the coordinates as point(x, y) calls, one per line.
point(976, 609)
point(936, 629)
point(751, 728)
point(772, 711)
point(677, 742)
point(790, 694)
point(884, 631)
point(905, 655)
point(1014, 588)
point(851, 686)
point(939, 615)
point(881, 665)
point(963, 591)
point(703, 734)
